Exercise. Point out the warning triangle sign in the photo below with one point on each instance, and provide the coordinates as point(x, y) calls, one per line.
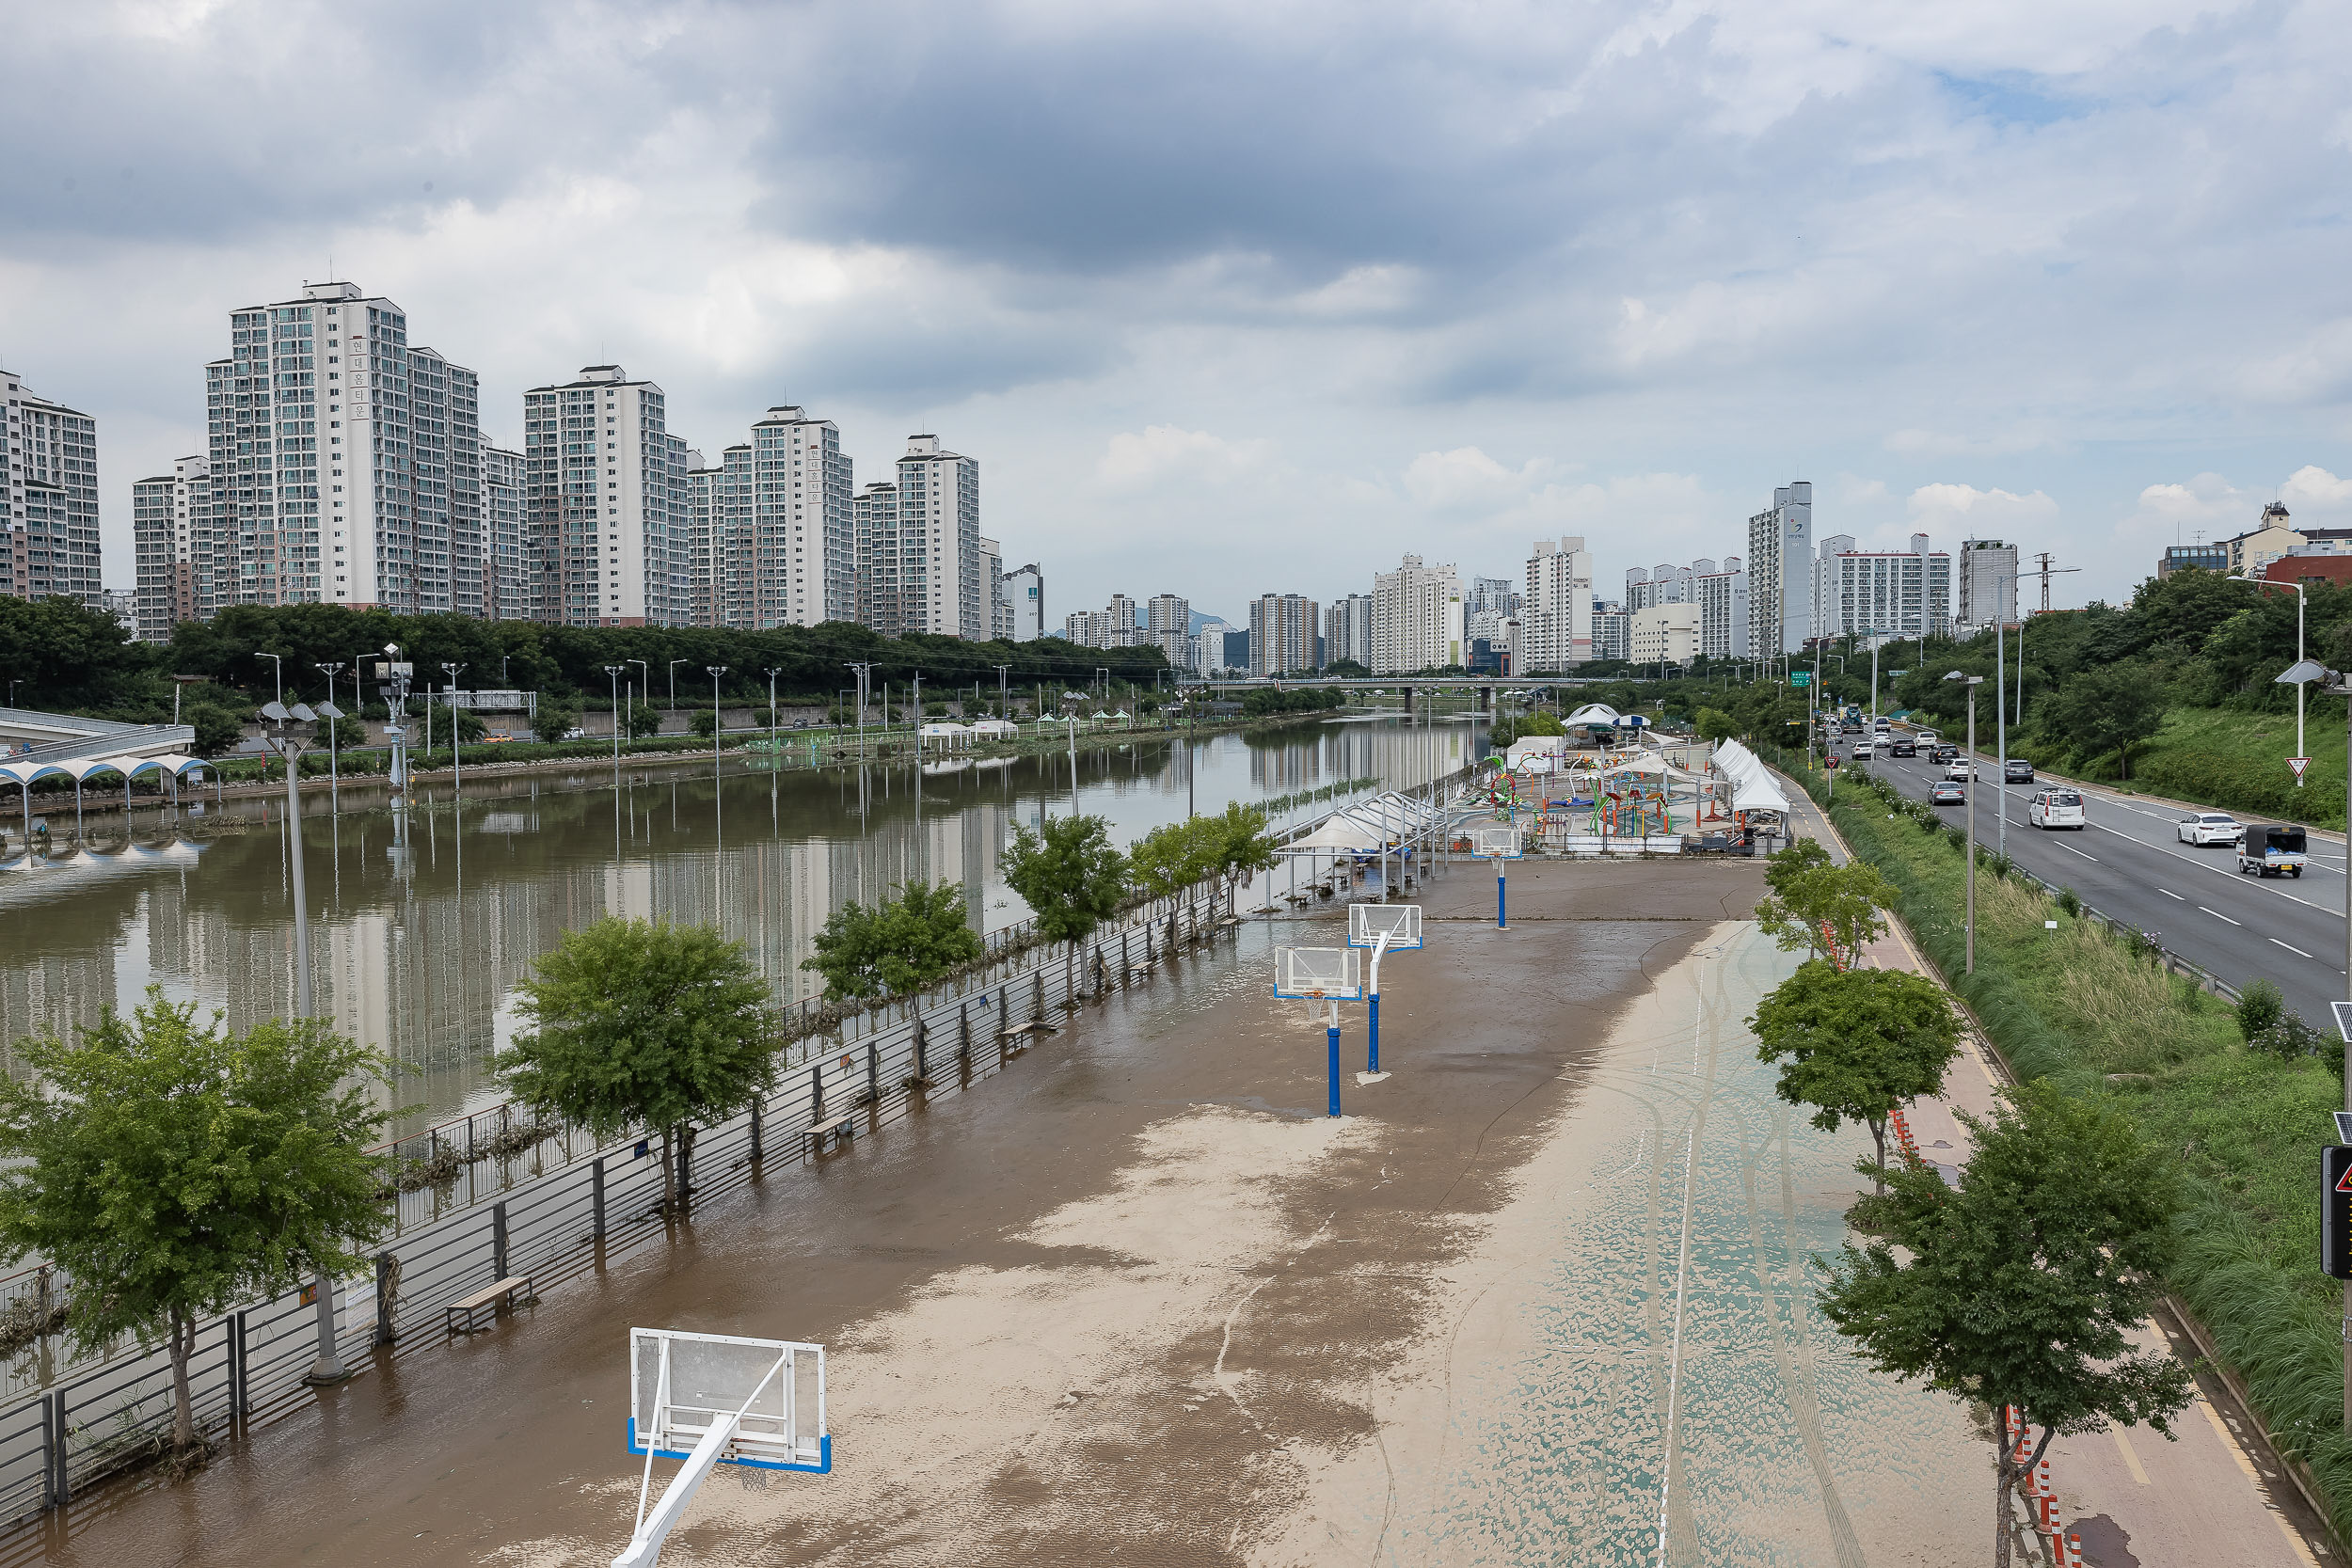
point(2343, 1182)
point(2298, 763)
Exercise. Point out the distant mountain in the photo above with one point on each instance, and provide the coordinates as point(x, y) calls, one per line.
point(1200, 620)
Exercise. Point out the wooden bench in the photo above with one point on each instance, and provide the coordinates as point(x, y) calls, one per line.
point(842, 1126)
point(489, 1297)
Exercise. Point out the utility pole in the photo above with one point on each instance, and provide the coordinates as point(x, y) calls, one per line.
point(863, 671)
point(614, 670)
point(456, 733)
point(2045, 558)
point(775, 744)
point(1004, 701)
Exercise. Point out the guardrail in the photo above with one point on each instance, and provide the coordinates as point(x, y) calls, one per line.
point(558, 1222)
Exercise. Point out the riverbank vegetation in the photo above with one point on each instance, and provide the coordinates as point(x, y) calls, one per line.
point(2090, 1012)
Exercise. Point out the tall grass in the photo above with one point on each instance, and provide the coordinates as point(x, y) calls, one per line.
point(2079, 1005)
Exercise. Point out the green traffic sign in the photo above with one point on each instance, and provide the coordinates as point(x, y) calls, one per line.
point(1799, 677)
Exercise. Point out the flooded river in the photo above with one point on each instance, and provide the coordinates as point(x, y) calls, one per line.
point(422, 921)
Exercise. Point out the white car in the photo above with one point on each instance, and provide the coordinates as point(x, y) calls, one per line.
point(1927, 737)
point(2211, 827)
point(1960, 769)
point(1862, 750)
point(2056, 808)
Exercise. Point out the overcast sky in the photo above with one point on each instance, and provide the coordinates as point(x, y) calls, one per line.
point(1233, 299)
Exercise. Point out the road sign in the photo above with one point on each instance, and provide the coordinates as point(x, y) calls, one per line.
point(2335, 1195)
point(2298, 763)
point(1831, 762)
point(1799, 677)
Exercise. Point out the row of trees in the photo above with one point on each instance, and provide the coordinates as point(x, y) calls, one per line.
point(172, 1170)
point(2020, 1286)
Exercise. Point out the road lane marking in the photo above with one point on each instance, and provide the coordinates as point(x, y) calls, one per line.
point(2072, 850)
point(2131, 1460)
point(2170, 893)
point(2290, 947)
point(2219, 915)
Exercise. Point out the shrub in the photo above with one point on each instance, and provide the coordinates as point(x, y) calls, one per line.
point(2259, 1007)
point(2071, 901)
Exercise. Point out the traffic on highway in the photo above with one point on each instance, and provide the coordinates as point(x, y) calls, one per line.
point(2240, 898)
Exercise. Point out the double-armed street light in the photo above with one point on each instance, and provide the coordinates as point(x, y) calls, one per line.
point(1969, 791)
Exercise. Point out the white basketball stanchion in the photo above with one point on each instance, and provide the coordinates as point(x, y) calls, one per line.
point(1321, 975)
point(1381, 927)
point(1499, 845)
point(712, 1400)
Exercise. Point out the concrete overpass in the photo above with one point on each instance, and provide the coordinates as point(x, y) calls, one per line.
point(1483, 686)
point(27, 735)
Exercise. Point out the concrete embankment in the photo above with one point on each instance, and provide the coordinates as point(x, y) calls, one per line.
point(1538, 1296)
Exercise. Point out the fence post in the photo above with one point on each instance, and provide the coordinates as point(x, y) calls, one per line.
point(873, 1075)
point(387, 1278)
point(756, 1150)
point(595, 1187)
point(922, 1050)
point(240, 1392)
point(1004, 1011)
point(817, 1092)
point(497, 1239)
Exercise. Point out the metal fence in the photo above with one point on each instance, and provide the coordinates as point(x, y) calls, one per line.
point(542, 1213)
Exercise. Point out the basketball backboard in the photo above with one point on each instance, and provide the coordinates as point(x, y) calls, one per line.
point(1318, 974)
point(1400, 923)
point(681, 1384)
point(1502, 843)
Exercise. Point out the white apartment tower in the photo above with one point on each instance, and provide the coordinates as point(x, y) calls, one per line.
point(801, 553)
point(1556, 617)
point(345, 464)
point(170, 541)
point(1022, 590)
point(1885, 593)
point(1167, 612)
point(1722, 597)
point(507, 576)
point(874, 535)
point(604, 491)
point(1347, 630)
point(49, 504)
point(992, 585)
point(1283, 634)
point(1416, 618)
point(936, 531)
point(1781, 572)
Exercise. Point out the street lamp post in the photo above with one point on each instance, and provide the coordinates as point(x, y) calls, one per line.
point(613, 671)
point(673, 664)
point(2300, 601)
point(775, 741)
point(396, 732)
point(334, 767)
point(644, 685)
point(716, 670)
point(864, 672)
point(1970, 878)
point(456, 735)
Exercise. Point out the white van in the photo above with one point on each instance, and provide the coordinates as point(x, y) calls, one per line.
point(2056, 808)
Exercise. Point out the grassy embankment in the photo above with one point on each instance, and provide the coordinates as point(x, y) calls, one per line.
point(2078, 1006)
point(2228, 760)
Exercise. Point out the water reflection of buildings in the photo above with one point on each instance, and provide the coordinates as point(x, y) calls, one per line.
point(419, 935)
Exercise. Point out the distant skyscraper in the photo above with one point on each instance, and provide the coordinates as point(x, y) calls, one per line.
point(1723, 600)
point(1347, 629)
point(1900, 593)
point(941, 588)
point(1781, 573)
point(993, 586)
point(170, 542)
point(1556, 617)
point(1416, 618)
point(802, 552)
point(1612, 630)
point(507, 578)
point(1167, 612)
point(379, 523)
point(1024, 591)
point(1284, 634)
point(605, 492)
point(49, 502)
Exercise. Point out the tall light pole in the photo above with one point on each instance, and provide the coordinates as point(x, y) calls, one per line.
point(396, 732)
point(456, 733)
point(645, 685)
point(2300, 601)
point(775, 741)
point(716, 670)
point(280, 665)
point(1973, 682)
point(334, 767)
point(613, 671)
point(864, 672)
point(1004, 702)
point(673, 664)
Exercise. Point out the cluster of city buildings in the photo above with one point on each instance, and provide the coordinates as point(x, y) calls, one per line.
point(345, 464)
point(2273, 549)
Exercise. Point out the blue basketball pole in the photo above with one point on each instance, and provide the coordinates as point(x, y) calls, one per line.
point(1502, 900)
point(1371, 1063)
point(1335, 1058)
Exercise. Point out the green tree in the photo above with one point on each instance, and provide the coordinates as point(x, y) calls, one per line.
point(218, 728)
point(704, 723)
point(1827, 910)
point(1541, 720)
point(2111, 708)
point(900, 946)
point(1855, 1045)
point(631, 1022)
point(471, 727)
point(1713, 724)
point(553, 719)
point(1070, 873)
point(1244, 846)
point(2022, 1286)
point(1176, 855)
point(641, 719)
point(171, 1170)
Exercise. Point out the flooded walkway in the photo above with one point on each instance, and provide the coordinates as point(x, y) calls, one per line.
point(1538, 1295)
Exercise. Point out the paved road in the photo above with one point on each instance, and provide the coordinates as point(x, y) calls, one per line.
point(2129, 864)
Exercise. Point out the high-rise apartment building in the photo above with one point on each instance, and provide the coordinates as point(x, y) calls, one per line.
point(170, 542)
point(1781, 572)
point(1023, 592)
point(935, 527)
point(1347, 629)
point(507, 576)
point(1491, 596)
point(874, 535)
point(346, 461)
point(1722, 597)
point(1987, 569)
point(604, 493)
point(1556, 616)
point(1666, 633)
point(1884, 592)
point(1164, 613)
point(1416, 618)
point(721, 498)
point(1284, 634)
point(48, 503)
point(802, 554)
point(993, 586)
point(1612, 632)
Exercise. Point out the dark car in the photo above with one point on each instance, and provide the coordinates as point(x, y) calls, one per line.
point(1902, 746)
point(1948, 795)
point(2016, 771)
point(1944, 753)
